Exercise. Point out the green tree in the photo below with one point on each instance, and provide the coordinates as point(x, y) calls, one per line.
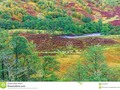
point(3, 38)
point(86, 19)
point(105, 29)
point(99, 25)
point(18, 58)
point(27, 61)
point(49, 66)
point(31, 62)
point(93, 68)
point(5, 53)
point(24, 53)
point(6, 16)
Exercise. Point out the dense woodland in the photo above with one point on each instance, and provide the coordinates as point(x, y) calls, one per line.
point(31, 48)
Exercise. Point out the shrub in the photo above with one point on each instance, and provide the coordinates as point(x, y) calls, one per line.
point(6, 16)
point(105, 29)
point(86, 19)
point(52, 15)
point(77, 15)
point(115, 30)
point(9, 24)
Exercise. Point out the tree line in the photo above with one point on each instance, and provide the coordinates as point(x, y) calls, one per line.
point(64, 24)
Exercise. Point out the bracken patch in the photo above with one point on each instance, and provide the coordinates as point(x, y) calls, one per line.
point(46, 42)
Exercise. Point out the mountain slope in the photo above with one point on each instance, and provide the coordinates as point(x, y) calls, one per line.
point(94, 9)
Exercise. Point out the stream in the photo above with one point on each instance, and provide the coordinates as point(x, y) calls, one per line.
point(79, 36)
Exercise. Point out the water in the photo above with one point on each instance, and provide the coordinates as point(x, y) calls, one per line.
point(84, 35)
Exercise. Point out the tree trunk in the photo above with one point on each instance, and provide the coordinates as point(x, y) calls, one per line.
point(16, 57)
point(3, 76)
point(28, 69)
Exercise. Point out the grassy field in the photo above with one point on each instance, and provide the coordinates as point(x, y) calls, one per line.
point(111, 52)
point(114, 37)
point(36, 31)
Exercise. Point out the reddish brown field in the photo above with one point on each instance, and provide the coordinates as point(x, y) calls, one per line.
point(46, 42)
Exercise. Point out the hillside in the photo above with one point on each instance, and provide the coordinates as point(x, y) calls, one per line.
point(66, 16)
point(94, 9)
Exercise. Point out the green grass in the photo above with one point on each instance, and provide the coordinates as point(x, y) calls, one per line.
point(111, 36)
point(36, 31)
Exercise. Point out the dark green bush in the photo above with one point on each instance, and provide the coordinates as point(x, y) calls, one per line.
point(9, 24)
point(86, 19)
